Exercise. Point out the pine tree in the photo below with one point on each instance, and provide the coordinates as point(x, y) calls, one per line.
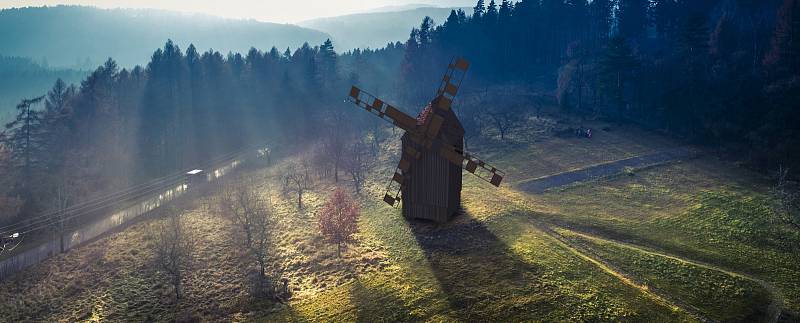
point(287, 55)
point(24, 136)
point(615, 69)
point(452, 20)
point(600, 25)
point(491, 13)
point(664, 15)
point(478, 10)
point(693, 43)
point(784, 56)
point(505, 10)
point(632, 18)
point(55, 119)
point(425, 33)
point(326, 64)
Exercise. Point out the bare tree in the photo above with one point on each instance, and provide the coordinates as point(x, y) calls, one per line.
point(10, 206)
point(376, 135)
point(472, 119)
point(320, 161)
point(788, 197)
point(473, 114)
point(507, 118)
point(296, 180)
point(63, 199)
point(335, 141)
point(355, 164)
point(252, 219)
point(174, 248)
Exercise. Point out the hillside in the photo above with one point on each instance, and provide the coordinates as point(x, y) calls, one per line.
point(374, 29)
point(22, 78)
point(68, 35)
point(625, 248)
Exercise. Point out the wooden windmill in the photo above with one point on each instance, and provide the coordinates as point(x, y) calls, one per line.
point(428, 177)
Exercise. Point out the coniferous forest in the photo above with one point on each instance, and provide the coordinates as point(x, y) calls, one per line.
point(720, 73)
point(602, 161)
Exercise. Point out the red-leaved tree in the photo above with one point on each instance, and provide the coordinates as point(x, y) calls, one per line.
point(338, 219)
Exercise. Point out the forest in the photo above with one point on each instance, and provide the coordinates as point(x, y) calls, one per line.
point(641, 156)
point(720, 73)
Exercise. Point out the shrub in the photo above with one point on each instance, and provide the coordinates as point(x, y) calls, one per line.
point(338, 219)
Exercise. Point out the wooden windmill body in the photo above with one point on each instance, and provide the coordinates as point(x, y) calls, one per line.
point(428, 176)
point(432, 190)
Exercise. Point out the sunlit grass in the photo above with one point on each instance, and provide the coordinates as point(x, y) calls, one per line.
point(718, 295)
point(491, 263)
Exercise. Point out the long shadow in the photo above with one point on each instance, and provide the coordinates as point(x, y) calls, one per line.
point(476, 270)
point(378, 305)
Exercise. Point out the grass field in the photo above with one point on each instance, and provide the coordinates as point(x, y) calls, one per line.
point(689, 241)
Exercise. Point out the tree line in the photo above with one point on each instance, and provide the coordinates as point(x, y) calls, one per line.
point(120, 127)
point(717, 72)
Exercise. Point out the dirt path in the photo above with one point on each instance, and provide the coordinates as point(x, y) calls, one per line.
point(774, 309)
point(655, 295)
point(542, 184)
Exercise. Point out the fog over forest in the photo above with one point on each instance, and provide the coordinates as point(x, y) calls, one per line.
point(97, 101)
point(669, 67)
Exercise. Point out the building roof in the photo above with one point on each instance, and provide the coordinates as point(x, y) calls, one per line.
point(424, 114)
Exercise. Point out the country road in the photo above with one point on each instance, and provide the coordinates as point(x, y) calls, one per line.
point(542, 184)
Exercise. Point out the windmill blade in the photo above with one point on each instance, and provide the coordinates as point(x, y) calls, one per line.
point(472, 164)
point(383, 110)
point(443, 102)
point(392, 195)
point(391, 114)
point(451, 82)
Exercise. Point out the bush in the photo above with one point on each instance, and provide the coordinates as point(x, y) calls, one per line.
point(338, 219)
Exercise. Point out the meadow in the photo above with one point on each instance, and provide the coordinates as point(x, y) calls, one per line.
point(693, 240)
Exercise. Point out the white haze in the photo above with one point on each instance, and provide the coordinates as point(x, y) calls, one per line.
point(290, 11)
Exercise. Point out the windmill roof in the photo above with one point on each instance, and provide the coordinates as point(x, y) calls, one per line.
point(424, 115)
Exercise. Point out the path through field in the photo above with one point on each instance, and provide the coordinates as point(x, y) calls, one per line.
point(773, 311)
point(544, 183)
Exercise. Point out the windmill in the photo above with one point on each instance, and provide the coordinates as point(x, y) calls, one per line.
point(428, 177)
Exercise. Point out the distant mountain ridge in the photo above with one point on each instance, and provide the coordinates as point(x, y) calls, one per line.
point(22, 78)
point(375, 29)
point(395, 8)
point(65, 36)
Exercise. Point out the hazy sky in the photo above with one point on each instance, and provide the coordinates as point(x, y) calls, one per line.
point(283, 11)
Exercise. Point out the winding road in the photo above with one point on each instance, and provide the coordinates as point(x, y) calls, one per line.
point(544, 183)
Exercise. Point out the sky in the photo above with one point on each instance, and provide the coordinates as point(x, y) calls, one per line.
point(280, 11)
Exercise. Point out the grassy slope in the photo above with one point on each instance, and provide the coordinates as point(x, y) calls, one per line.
point(699, 210)
point(493, 262)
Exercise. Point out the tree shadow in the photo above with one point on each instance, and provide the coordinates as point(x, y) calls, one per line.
point(374, 304)
point(477, 271)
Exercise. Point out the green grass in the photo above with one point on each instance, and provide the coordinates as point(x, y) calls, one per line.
point(497, 262)
point(718, 295)
point(509, 272)
point(692, 211)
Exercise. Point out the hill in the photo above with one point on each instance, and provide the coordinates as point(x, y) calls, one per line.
point(68, 35)
point(688, 241)
point(374, 29)
point(23, 78)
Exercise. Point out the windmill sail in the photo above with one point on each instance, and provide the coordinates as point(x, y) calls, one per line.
point(472, 164)
point(383, 110)
point(424, 135)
